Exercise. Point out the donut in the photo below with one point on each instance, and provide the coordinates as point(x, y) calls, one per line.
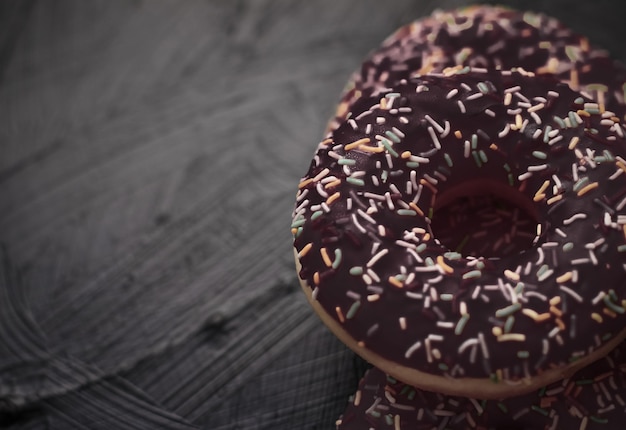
point(493, 326)
point(592, 399)
point(495, 38)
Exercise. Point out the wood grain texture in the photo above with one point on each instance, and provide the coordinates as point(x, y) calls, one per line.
point(150, 153)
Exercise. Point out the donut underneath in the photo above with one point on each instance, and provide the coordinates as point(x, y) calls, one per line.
point(592, 399)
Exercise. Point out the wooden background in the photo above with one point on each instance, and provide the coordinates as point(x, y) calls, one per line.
point(149, 156)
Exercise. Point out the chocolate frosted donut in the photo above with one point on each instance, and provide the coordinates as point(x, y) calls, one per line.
point(592, 399)
point(489, 327)
point(493, 38)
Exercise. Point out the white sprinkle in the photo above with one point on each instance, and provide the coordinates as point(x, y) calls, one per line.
point(412, 349)
point(452, 93)
point(434, 137)
point(461, 106)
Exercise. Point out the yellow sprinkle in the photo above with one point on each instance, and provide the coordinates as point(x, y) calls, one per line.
point(357, 143)
point(556, 311)
point(517, 337)
point(326, 257)
point(428, 185)
point(326, 142)
point(305, 250)
point(332, 198)
point(367, 148)
point(316, 278)
point(332, 184)
point(596, 317)
point(511, 275)
point(583, 113)
point(406, 154)
point(573, 142)
point(507, 99)
point(564, 278)
point(560, 324)
point(497, 331)
point(383, 103)
point(446, 268)
point(417, 209)
point(555, 300)
point(373, 297)
point(342, 319)
point(535, 316)
point(518, 121)
point(426, 237)
point(539, 195)
point(587, 188)
point(393, 281)
point(554, 199)
point(621, 165)
point(305, 183)
point(458, 134)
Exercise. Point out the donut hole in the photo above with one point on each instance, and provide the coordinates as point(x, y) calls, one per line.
point(480, 219)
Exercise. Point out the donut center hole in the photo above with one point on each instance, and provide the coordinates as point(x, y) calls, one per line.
point(485, 221)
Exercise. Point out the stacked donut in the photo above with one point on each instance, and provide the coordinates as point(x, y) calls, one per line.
point(462, 226)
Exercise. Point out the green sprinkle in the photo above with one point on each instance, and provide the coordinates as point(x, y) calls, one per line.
point(580, 100)
point(609, 156)
point(338, 256)
point(474, 141)
point(503, 407)
point(391, 135)
point(508, 325)
point(540, 154)
point(507, 167)
point(480, 265)
point(374, 413)
point(621, 248)
point(392, 95)
point(421, 247)
point(546, 131)
point(559, 121)
point(571, 53)
point(446, 297)
point(607, 336)
point(509, 310)
point(540, 410)
point(356, 270)
point(352, 311)
point(523, 354)
point(580, 184)
point(299, 232)
point(355, 181)
point(519, 288)
point(598, 419)
point(615, 308)
point(568, 246)
point(406, 212)
point(460, 325)
point(542, 391)
point(384, 175)
point(483, 156)
point(412, 164)
point(472, 274)
point(443, 366)
point(572, 118)
point(387, 144)
point(391, 379)
point(346, 161)
point(477, 159)
point(429, 261)
point(316, 215)
point(494, 378)
point(511, 181)
point(452, 255)
point(483, 88)
point(298, 222)
point(446, 156)
point(430, 213)
point(411, 394)
point(584, 382)
point(389, 419)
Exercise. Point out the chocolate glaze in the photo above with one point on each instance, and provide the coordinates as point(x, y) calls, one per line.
point(362, 227)
point(593, 399)
point(490, 37)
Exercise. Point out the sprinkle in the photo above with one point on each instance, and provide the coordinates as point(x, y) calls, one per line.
point(305, 249)
point(395, 282)
point(326, 257)
point(342, 319)
point(587, 188)
point(353, 309)
point(472, 274)
point(509, 310)
point(355, 181)
point(434, 138)
point(517, 337)
point(357, 143)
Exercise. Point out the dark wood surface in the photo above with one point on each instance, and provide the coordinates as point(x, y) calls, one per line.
point(149, 156)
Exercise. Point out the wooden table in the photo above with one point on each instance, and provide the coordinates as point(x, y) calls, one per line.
point(149, 156)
